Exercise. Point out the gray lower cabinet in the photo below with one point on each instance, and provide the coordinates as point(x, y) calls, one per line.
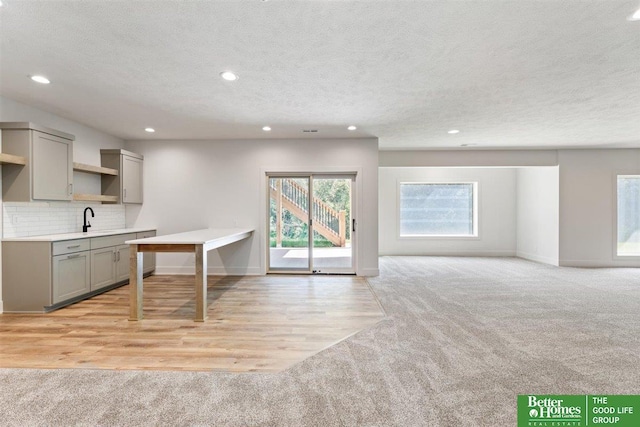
point(110, 260)
point(122, 262)
point(71, 275)
point(110, 265)
point(40, 276)
point(103, 268)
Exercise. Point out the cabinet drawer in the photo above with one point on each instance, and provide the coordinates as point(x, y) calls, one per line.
point(70, 246)
point(106, 241)
point(145, 234)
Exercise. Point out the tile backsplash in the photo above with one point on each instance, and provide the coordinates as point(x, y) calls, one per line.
point(22, 219)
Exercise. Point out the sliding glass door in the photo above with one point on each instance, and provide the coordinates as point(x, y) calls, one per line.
point(332, 249)
point(289, 240)
point(320, 242)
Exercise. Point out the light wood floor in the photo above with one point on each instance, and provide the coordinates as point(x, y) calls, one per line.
point(258, 323)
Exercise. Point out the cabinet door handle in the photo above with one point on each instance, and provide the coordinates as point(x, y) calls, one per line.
point(114, 257)
point(70, 189)
point(73, 256)
point(118, 256)
point(73, 246)
point(124, 196)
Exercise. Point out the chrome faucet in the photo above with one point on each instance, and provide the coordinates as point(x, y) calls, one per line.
point(86, 225)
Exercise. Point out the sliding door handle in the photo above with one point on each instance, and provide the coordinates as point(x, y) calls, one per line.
point(353, 225)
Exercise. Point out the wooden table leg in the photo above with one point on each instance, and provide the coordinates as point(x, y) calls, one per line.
point(201, 284)
point(135, 283)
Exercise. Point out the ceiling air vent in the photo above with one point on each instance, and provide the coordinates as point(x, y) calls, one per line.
point(310, 130)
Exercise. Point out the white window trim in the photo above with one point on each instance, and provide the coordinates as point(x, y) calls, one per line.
point(615, 216)
point(476, 214)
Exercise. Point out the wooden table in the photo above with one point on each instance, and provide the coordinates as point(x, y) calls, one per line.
point(199, 242)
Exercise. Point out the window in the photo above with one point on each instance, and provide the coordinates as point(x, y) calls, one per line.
point(628, 215)
point(442, 209)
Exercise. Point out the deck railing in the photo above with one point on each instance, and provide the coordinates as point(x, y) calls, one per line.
point(329, 222)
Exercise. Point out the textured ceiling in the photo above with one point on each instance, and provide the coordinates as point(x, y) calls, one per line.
point(505, 73)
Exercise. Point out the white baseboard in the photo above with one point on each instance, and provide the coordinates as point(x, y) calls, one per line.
point(599, 264)
point(538, 258)
point(235, 271)
point(456, 253)
point(369, 272)
point(214, 271)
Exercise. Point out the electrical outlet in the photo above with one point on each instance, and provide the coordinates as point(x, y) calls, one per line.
point(15, 219)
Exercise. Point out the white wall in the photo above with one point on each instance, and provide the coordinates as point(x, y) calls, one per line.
point(587, 205)
point(468, 157)
point(198, 184)
point(538, 214)
point(587, 196)
point(496, 204)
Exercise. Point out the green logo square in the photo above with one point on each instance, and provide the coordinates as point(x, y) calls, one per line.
point(578, 410)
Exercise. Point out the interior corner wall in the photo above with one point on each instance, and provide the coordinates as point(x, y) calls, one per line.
point(538, 214)
point(496, 204)
point(198, 184)
point(1, 231)
point(587, 206)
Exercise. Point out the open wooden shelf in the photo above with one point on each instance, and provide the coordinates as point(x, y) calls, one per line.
point(81, 167)
point(10, 159)
point(94, 198)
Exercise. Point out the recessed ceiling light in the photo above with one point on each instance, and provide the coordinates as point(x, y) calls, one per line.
point(40, 79)
point(635, 16)
point(352, 127)
point(266, 128)
point(150, 130)
point(229, 76)
point(453, 131)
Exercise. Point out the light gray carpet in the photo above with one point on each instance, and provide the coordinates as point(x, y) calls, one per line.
point(464, 336)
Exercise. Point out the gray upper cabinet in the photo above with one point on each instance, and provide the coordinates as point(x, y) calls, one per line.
point(132, 179)
point(127, 185)
point(48, 173)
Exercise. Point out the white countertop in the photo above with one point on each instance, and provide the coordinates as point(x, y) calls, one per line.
point(72, 236)
point(196, 237)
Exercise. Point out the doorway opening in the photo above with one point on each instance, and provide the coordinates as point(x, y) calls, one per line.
point(311, 224)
